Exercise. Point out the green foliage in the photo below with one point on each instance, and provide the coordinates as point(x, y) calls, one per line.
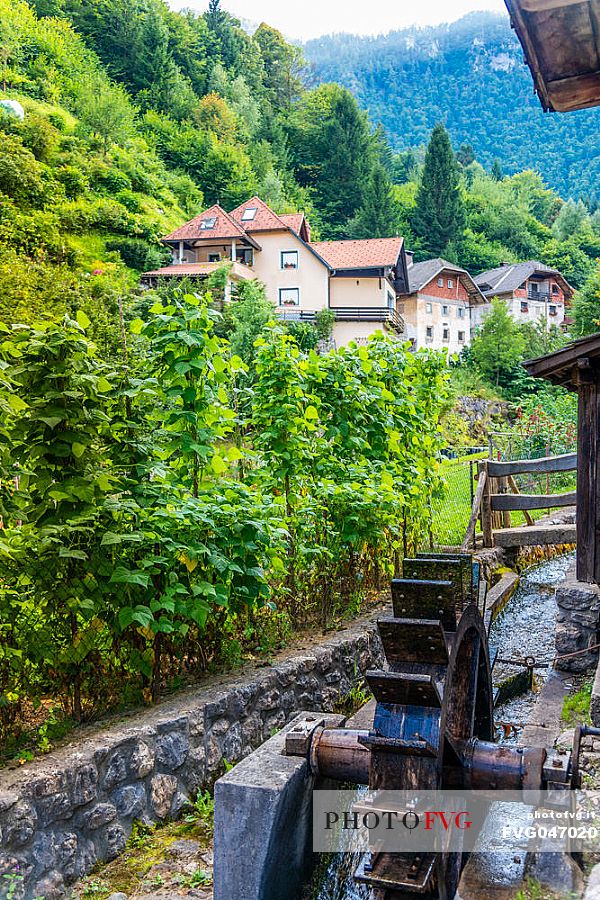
point(498, 346)
point(576, 707)
point(470, 75)
point(439, 217)
point(586, 307)
point(182, 508)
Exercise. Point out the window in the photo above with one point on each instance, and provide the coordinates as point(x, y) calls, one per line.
point(450, 283)
point(289, 259)
point(391, 300)
point(429, 307)
point(440, 282)
point(534, 287)
point(555, 289)
point(289, 296)
point(461, 337)
point(445, 311)
point(553, 310)
point(446, 333)
point(214, 257)
point(245, 256)
point(429, 333)
point(207, 224)
point(249, 214)
point(524, 306)
point(461, 312)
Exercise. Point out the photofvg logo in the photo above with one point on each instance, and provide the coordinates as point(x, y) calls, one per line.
point(451, 821)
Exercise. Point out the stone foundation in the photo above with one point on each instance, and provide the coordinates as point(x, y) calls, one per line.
point(63, 813)
point(577, 624)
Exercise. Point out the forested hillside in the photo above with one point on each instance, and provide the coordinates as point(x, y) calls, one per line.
point(469, 75)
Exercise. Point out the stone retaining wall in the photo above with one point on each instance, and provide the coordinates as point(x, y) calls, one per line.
point(63, 813)
point(577, 624)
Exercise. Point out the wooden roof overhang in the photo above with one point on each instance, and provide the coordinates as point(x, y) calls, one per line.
point(566, 367)
point(561, 42)
point(190, 243)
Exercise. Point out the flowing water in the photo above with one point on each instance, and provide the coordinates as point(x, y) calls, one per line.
point(524, 628)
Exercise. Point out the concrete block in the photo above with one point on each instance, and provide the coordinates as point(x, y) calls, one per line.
point(263, 823)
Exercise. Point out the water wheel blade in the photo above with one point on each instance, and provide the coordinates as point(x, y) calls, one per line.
point(413, 641)
point(404, 689)
point(397, 871)
point(415, 598)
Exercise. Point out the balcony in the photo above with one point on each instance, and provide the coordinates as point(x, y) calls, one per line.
point(381, 314)
point(541, 296)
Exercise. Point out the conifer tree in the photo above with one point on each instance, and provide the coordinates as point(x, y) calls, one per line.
point(497, 172)
point(379, 214)
point(439, 216)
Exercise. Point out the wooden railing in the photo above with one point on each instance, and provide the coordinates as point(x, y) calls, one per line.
point(494, 501)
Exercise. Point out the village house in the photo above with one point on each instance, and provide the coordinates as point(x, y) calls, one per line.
point(359, 280)
point(440, 306)
point(534, 292)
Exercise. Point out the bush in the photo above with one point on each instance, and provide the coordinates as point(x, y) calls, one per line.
point(137, 254)
point(129, 200)
point(73, 180)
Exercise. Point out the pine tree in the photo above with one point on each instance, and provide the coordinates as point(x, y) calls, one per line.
point(379, 214)
point(497, 171)
point(439, 216)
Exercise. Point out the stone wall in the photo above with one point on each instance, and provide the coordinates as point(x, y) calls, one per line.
point(577, 624)
point(63, 813)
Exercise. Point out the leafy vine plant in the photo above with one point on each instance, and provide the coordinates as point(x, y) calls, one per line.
point(175, 511)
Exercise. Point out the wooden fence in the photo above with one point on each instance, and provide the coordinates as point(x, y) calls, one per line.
point(498, 495)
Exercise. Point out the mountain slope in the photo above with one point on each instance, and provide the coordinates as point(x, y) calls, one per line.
point(471, 76)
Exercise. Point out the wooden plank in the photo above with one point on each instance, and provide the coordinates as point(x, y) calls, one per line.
point(413, 641)
point(537, 6)
point(515, 488)
point(587, 439)
point(414, 599)
point(486, 508)
point(532, 501)
point(404, 689)
point(527, 536)
point(475, 511)
point(565, 463)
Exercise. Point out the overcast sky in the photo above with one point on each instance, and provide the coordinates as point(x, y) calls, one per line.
point(311, 18)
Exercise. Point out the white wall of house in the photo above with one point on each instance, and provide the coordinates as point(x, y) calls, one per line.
point(346, 332)
point(362, 293)
point(309, 283)
point(439, 324)
point(525, 309)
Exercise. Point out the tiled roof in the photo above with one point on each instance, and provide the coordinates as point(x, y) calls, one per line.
point(264, 220)
point(195, 270)
point(506, 279)
point(224, 227)
point(293, 221)
point(375, 253)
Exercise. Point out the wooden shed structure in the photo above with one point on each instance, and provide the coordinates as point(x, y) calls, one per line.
point(577, 368)
point(561, 41)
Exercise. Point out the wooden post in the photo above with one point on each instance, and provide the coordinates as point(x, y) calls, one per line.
point(588, 484)
point(486, 507)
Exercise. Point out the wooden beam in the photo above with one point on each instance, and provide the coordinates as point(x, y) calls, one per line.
point(515, 487)
point(532, 501)
point(486, 509)
point(475, 511)
point(576, 92)
point(537, 6)
point(540, 535)
point(564, 463)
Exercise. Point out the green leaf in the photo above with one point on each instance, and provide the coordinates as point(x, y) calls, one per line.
point(82, 319)
point(104, 385)
point(122, 575)
point(78, 449)
point(311, 413)
point(137, 326)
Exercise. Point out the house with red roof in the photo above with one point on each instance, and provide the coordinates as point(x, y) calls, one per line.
point(359, 280)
